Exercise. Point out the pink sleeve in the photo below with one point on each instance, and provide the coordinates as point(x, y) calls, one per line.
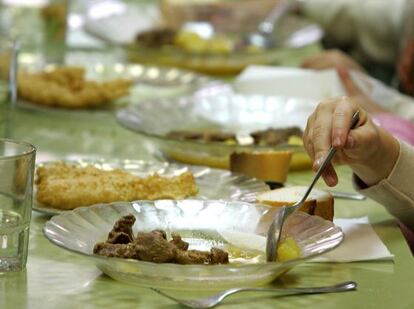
point(396, 125)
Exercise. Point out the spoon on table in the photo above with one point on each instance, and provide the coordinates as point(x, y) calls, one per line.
point(212, 301)
point(275, 229)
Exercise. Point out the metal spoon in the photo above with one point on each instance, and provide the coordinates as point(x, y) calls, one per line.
point(214, 300)
point(275, 229)
point(264, 37)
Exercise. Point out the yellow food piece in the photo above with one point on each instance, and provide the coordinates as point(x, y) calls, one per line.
point(219, 45)
point(194, 43)
point(190, 42)
point(185, 37)
point(295, 140)
point(288, 250)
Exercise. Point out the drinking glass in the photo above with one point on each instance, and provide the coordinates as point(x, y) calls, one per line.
point(8, 70)
point(16, 189)
point(33, 22)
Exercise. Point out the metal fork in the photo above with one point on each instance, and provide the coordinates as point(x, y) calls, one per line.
point(212, 301)
point(275, 229)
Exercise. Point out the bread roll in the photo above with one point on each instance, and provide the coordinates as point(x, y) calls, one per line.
point(268, 166)
point(319, 202)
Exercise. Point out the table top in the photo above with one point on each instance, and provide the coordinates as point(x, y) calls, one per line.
point(56, 278)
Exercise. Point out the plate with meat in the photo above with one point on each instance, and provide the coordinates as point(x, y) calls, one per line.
point(65, 185)
point(188, 244)
point(206, 128)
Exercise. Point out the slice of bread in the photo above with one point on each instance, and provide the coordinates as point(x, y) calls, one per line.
point(268, 166)
point(319, 202)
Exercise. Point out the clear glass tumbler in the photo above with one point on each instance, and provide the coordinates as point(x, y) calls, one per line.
point(8, 70)
point(17, 161)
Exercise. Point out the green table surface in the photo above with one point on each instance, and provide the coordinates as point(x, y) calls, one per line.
point(56, 278)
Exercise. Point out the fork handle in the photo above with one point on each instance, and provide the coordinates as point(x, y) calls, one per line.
point(340, 287)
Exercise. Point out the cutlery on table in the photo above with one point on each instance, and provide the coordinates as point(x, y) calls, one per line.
point(347, 195)
point(212, 301)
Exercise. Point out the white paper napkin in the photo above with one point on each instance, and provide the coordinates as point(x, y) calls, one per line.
point(296, 82)
point(361, 243)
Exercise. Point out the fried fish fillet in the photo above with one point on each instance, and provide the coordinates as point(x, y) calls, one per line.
point(67, 87)
point(66, 186)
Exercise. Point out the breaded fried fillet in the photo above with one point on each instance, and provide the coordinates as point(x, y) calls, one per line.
point(67, 186)
point(67, 87)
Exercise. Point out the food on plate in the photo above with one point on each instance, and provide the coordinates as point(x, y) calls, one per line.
point(225, 15)
point(228, 138)
point(319, 202)
point(156, 37)
point(192, 42)
point(66, 186)
point(272, 137)
point(154, 246)
point(268, 137)
point(67, 86)
point(265, 165)
point(189, 41)
point(288, 249)
point(242, 161)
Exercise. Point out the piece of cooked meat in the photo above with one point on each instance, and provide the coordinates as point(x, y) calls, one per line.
point(156, 37)
point(202, 136)
point(66, 186)
point(126, 251)
point(178, 242)
point(193, 257)
point(218, 256)
point(273, 137)
point(154, 247)
point(121, 233)
point(215, 256)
